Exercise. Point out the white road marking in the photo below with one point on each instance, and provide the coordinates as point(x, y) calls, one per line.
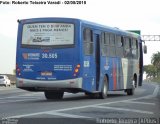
point(14, 101)
point(8, 88)
point(50, 113)
point(135, 102)
point(26, 115)
point(156, 90)
point(32, 94)
point(74, 108)
point(95, 105)
point(26, 97)
point(124, 109)
point(67, 115)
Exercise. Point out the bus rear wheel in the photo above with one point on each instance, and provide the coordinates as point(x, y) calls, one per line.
point(104, 92)
point(53, 95)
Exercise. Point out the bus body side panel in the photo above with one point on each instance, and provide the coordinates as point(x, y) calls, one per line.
point(112, 68)
point(120, 72)
point(130, 69)
point(120, 78)
point(126, 72)
point(136, 70)
point(88, 63)
point(88, 74)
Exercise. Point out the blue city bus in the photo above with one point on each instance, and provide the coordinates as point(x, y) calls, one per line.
point(57, 55)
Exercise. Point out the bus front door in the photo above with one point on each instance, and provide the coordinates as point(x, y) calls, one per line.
point(97, 59)
point(92, 64)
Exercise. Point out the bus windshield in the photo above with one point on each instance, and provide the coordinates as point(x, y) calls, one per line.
point(48, 34)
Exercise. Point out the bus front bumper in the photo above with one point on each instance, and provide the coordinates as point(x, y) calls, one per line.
point(70, 83)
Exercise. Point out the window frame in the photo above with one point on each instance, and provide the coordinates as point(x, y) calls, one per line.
point(91, 47)
point(135, 56)
point(107, 46)
point(120, 49)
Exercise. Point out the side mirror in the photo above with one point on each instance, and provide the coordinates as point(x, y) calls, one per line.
point(145, 49)
point(18, 21)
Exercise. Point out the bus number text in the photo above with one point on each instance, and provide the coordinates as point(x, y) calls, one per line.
point(49, 56)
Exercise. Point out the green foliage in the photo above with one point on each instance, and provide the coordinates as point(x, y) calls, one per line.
point(150, 70)
point(155, 60)
point(153, 71)
point(156, 79)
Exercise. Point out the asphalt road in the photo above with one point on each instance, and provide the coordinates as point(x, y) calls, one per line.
point(23, 107)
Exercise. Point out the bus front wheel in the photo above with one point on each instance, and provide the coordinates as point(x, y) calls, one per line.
point(104, 92)
point(132, 90)
point(53, 95)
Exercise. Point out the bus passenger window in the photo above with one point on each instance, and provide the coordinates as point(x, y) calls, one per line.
point(119, 46)
point(119, 41)
point(127, 48)
point(112, 39)
point(122, 40)
point(106, 41)
point(102, 38)
point(112, 45)
point(88, 41)
point(105, 45)
point(102, 43)
point(135, 48)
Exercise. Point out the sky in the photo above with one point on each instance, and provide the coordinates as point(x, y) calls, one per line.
point(141, 15)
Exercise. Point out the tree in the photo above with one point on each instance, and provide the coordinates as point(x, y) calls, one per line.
point(150, 70)
point(155, 60)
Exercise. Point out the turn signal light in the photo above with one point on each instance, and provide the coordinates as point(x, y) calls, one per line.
point(78, 66)
point(18, 70)
point(76, 70)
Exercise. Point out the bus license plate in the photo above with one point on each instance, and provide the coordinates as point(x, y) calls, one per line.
point(46, 73)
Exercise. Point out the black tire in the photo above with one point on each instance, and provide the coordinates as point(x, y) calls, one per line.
point(131, 91)
point(92, 95)
point(87, 94)
point(104, 92)
point(53, 95)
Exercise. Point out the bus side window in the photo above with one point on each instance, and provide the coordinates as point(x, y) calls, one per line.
point(88, 41)
point(102, 43)
point(105, 44)
point(106, 41)
point(119, 46)
point(127, 48)
point(112, 45)
point(134, 48)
